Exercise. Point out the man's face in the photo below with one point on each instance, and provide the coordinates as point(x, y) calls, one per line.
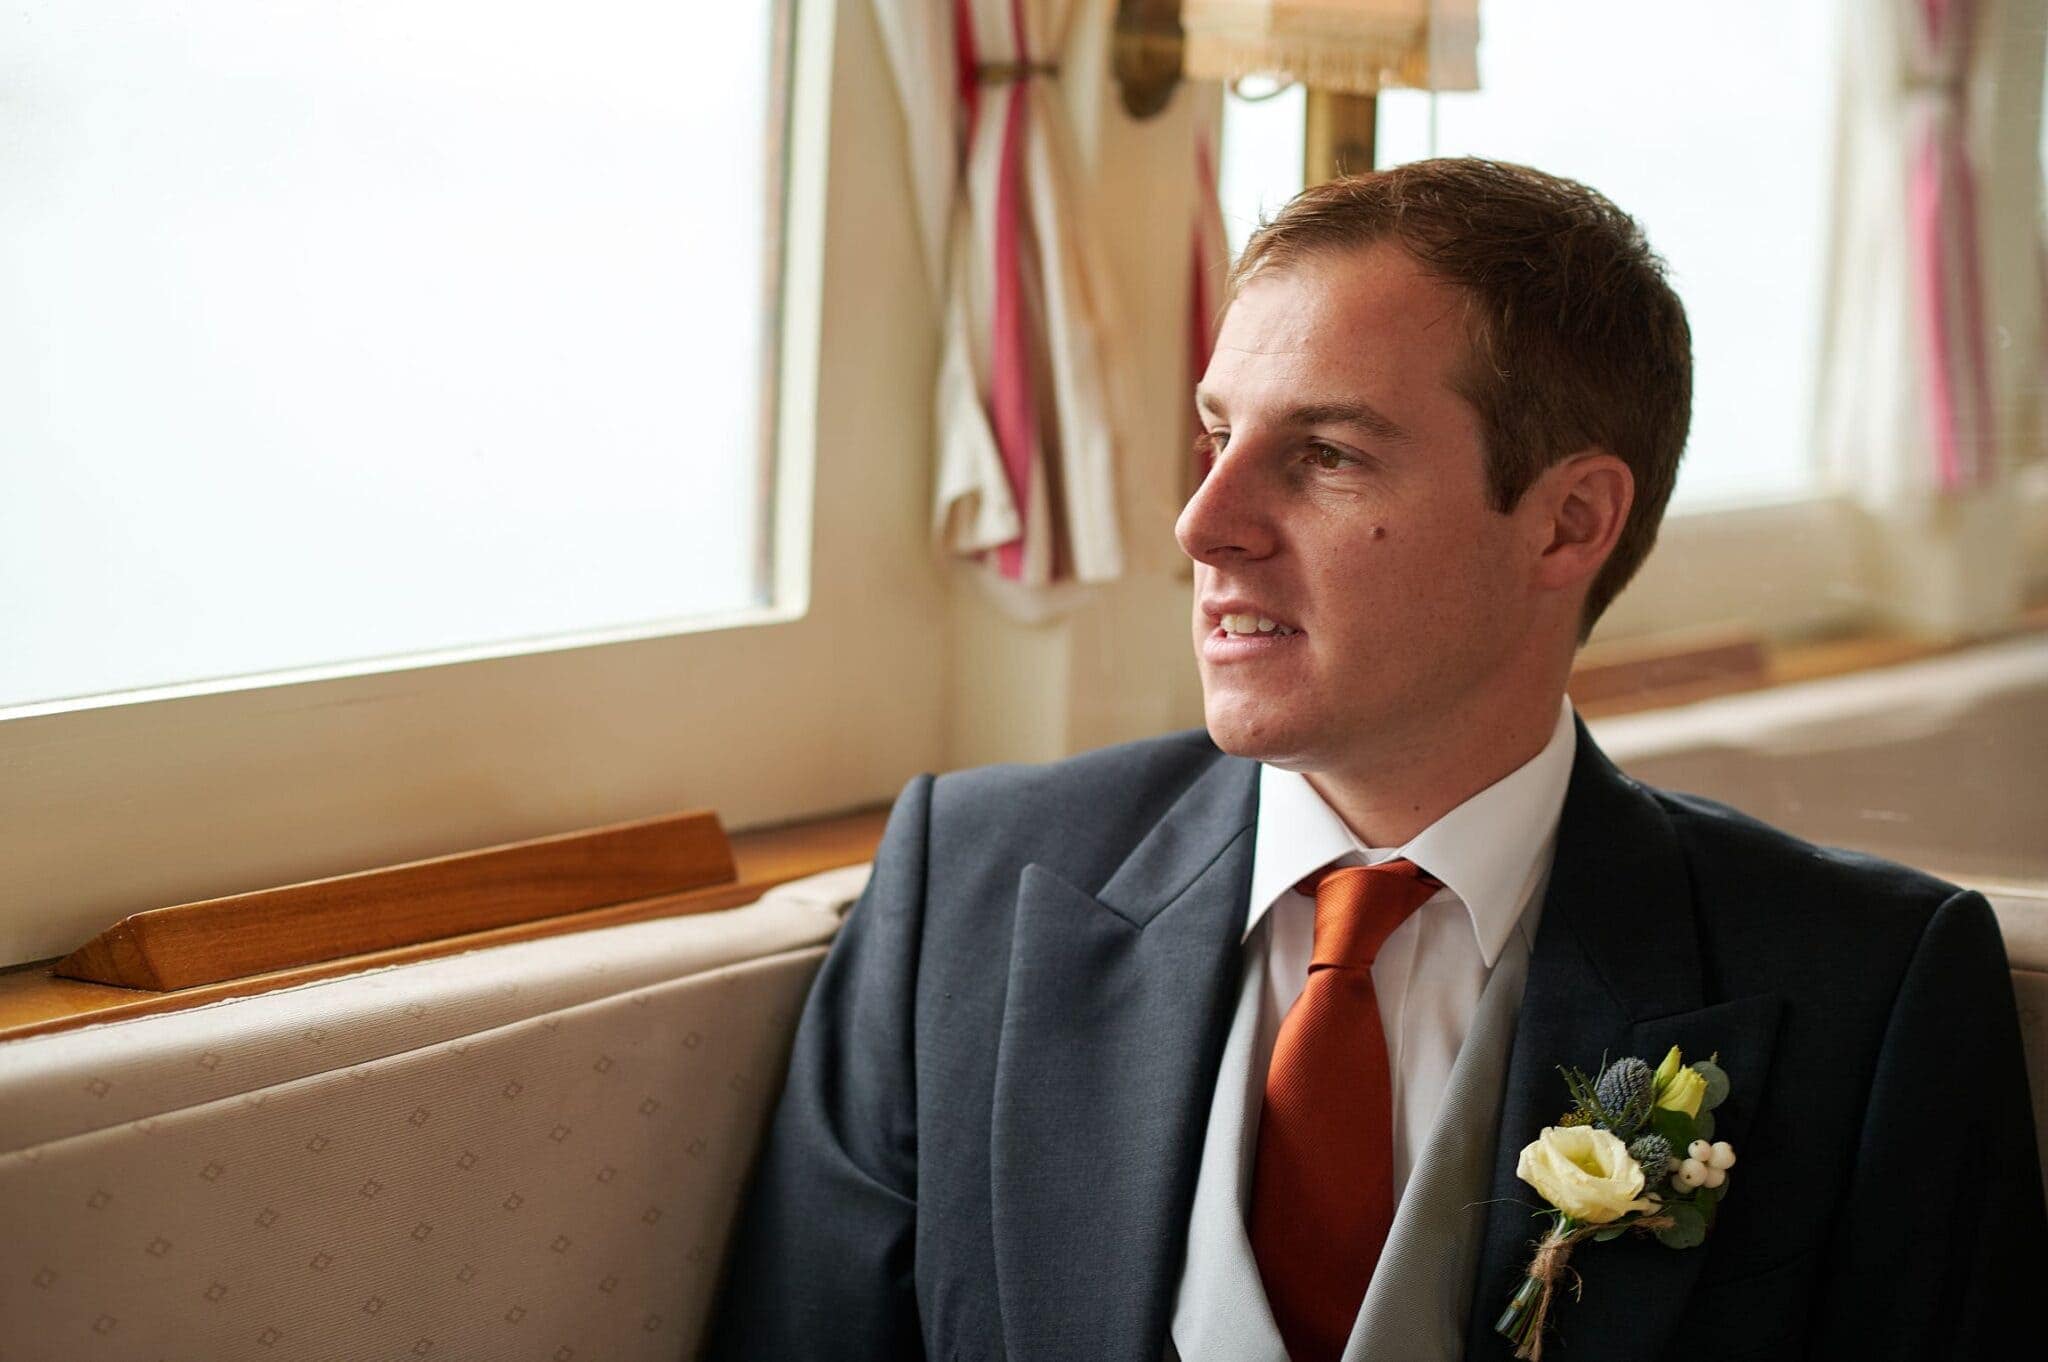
point(1348, 504)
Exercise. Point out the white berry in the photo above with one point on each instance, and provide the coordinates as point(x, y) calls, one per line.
point(1722, 1155)
point(1699, 1149)
point(1714, 1176)
point(1690, 1174)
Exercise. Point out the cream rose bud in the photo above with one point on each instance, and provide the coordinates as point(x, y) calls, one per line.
point(1584, 1172)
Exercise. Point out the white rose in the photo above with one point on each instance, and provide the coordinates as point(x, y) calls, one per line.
point(1584, 1172)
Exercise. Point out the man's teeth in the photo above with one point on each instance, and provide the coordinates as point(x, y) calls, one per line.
point(1252, 624)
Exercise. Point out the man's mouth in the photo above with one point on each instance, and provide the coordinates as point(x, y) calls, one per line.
point(1249, 626)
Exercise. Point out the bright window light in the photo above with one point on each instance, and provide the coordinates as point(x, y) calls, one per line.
point(352, 329)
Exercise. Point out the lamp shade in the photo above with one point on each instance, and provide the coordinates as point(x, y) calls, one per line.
point(1350, 46)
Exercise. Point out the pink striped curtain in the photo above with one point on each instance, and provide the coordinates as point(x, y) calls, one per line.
point(1030, 387)
point(1914, 402)
point(1942, 234)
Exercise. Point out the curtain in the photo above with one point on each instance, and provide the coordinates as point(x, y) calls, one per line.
point(1208, 266)
point(1929, 292)
point(1030, 388)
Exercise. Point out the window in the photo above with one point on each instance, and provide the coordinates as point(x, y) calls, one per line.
point(1262, 156)
point(131, 802)
point(343, 331)
point(1714, 138)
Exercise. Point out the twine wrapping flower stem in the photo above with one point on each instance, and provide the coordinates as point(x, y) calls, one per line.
point(1522, 1323)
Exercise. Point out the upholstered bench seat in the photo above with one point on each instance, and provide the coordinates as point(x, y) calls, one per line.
point(530, 1151)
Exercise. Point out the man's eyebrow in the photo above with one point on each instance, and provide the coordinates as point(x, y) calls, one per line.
point(1363, 415)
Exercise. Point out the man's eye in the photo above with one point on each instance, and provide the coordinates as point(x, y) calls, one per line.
point(1328, 458)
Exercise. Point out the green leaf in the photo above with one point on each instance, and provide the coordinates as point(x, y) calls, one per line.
point(1704, 1123)
point(1688, 1228)
point(1717, 1084)
point(1681, 1130)
point(1611, 1232)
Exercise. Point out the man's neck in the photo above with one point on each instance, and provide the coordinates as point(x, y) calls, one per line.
point(1409, 785)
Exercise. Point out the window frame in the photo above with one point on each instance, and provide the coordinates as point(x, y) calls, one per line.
point(132, 802)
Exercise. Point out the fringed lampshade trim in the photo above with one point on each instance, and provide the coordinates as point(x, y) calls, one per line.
point(1354, 68)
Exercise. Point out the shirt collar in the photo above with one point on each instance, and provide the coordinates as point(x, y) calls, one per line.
point(1491, 851)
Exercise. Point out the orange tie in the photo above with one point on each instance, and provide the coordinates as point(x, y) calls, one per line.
point(1323, 1192)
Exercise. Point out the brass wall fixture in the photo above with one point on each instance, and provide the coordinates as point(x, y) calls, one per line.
point(1338, 135)
point(1146, 54)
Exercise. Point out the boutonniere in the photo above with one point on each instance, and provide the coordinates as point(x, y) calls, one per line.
point(1636, 1153)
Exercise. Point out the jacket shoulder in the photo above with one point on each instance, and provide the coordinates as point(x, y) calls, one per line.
point(1075, 815)
point(1721, 832)
point(1755, 883)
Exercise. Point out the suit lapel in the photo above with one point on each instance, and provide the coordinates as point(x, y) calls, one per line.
point(1118, 1006)
point(1615, 970)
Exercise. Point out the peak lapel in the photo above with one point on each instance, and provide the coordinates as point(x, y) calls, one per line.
point(1117, 1010)
point(1615, 971)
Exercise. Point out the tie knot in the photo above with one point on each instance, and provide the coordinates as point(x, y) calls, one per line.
point(1359, 906)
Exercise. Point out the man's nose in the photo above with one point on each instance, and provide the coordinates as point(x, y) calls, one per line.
point(1229, 517)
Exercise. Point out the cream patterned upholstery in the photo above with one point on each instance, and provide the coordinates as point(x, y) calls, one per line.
point(532, 1151)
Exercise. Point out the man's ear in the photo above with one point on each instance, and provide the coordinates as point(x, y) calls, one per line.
point(1585, 499)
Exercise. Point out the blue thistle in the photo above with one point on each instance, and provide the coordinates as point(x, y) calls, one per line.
point(1625, 1092)
point(1653, 1152)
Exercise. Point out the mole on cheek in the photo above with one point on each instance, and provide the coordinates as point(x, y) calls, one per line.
point(1379, 532)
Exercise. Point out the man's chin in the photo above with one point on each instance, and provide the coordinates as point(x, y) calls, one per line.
point(1257, 737)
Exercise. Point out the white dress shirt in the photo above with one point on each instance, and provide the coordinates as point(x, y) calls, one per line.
point(1492, 854)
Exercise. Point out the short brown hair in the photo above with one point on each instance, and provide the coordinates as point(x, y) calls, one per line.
point(1577, 340)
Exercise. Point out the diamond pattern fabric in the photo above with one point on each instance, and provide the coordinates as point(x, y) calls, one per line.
point(554, 1180)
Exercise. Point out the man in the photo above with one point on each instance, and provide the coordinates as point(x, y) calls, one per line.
point(1132, 1056)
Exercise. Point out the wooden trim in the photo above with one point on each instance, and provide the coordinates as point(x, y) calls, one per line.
point(35, 1001)
point(404, 905)
point(1715, 661)
point(1681, 669)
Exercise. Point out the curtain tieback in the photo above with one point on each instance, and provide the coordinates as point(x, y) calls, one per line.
point(1946, 84)
point(1005, 72)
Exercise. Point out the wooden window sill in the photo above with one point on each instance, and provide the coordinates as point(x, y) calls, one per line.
point(1662, 672)
point(34, 1001)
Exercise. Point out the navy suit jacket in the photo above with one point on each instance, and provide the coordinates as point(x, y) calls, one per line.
point(988, 1141)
